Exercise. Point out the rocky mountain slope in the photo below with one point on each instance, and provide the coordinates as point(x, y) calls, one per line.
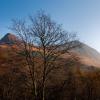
point(9, 39)
point(88, 55)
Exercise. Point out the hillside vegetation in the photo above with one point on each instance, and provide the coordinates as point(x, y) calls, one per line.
point(66, 83)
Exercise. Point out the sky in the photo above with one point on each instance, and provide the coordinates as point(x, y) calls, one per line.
point(80, 16)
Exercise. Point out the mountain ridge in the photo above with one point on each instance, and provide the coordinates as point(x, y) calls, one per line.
point(87, 54)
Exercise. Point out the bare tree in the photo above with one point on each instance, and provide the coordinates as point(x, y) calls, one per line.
point(26, 49)
point(50, 41)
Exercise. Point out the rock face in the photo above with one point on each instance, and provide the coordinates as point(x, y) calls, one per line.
point(9, 39)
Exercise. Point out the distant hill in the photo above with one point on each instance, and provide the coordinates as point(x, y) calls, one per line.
point(9, 38)
point(88, 55)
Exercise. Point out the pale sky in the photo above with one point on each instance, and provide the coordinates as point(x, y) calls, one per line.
point(81, 16)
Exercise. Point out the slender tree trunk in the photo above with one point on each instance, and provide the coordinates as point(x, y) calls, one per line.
point(44, 71)
point(43, 93)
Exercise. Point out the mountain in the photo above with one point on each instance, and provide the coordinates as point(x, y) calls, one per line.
point(88, 55)
point(9, 38)
point(70, 77)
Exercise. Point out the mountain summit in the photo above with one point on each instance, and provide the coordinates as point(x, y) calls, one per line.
point(9, 38)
